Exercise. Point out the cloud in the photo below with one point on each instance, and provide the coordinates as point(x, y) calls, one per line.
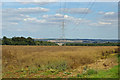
point(34, 20)
point(59, 18)
point(107, 19)
point(106, 13)
point(36, 3)
point(34, 10)
point(75, 10)
point(104, 23)
point(37, 0)
point(13, 15)
point(40, 3)
point(101, 24)
point(8, 17)
point(109, 15)
point(14, 18)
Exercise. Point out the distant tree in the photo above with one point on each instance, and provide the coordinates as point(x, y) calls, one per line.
point(0, 42)
point(19, 41)
point(92, 44)
point(6, 41)
point(37, 43)
point(30, 41)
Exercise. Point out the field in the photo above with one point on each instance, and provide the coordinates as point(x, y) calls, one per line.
point(59, 61)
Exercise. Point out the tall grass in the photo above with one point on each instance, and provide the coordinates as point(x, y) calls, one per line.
point(44, 58)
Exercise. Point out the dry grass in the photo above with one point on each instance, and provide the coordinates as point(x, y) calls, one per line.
point(52, 57)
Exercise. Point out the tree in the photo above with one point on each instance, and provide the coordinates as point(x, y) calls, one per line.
point(6, 41)
point(0, 42)
point(30, 41)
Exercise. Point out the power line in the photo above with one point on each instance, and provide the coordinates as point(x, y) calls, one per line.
point(62, 9)
point(90, 5)
point(89, 8)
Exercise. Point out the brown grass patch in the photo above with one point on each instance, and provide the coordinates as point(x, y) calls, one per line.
point(52, 57)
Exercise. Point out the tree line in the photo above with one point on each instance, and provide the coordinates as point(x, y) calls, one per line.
point(24, 41)
point(30, 41)
point(92, 44)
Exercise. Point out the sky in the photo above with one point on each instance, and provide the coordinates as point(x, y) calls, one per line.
point(82, 20)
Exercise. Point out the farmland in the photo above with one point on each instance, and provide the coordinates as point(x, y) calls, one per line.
point(59, 61)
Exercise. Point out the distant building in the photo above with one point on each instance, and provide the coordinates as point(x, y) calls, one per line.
point(60, 44)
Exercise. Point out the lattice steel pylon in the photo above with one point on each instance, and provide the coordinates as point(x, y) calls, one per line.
point(63, 31)
point(63, 24)
point(62, 8)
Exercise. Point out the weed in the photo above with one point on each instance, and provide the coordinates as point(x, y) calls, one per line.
point(80, 75)
point(91, 71)
point(68, 73)
point(46, 73)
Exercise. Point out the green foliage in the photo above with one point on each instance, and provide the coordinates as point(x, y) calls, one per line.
point(80, 75)
point(45, 43)
point(0, 42)
point(68, 73)
point(60, 66)
point(111, 73)
point(6, 41)
point(91, 71)
point(92, 44)
point(24, 41)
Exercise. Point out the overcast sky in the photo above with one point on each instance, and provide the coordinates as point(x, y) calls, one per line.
point(83, 20)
